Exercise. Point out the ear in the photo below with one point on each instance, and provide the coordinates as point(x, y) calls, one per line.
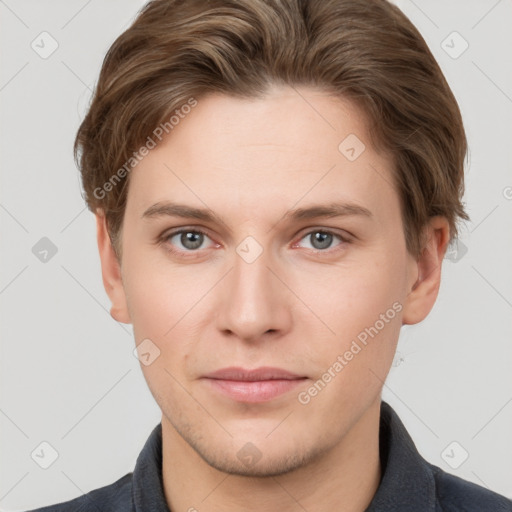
point(111, 272)
point(427, 268)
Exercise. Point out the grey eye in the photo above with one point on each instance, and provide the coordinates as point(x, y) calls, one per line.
point(320, 240)
point(190, 240)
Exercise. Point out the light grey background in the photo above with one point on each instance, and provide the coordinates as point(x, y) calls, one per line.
point(68, 374)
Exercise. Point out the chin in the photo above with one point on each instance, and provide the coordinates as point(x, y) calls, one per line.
point(255, 464)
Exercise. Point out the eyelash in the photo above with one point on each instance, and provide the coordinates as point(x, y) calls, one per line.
point(193, 253)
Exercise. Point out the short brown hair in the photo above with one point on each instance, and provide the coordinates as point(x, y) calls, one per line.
point(363, 50)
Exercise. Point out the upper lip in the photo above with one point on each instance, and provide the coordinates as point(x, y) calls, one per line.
point(257, 374)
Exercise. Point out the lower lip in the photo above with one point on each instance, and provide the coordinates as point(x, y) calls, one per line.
point(254, 391)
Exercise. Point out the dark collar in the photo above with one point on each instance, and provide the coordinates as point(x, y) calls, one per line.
point(147, 482)
point(407, 483)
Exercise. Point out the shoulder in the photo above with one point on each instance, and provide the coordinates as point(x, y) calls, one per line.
point(455, 494)
point(113, 497)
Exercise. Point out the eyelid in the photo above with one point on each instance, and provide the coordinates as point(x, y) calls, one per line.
point(344, 235)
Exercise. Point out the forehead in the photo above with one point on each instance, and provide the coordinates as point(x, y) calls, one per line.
point(292, 147)
point(230, 129)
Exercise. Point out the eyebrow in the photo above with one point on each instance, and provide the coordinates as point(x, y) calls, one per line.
point(167, 208)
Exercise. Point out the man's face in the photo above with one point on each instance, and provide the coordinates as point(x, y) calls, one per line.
point(263, 288)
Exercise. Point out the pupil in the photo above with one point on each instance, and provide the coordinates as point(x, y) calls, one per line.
point(191, 240)
point(322, 240)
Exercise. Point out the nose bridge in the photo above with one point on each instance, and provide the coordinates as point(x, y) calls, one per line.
point(255, 300)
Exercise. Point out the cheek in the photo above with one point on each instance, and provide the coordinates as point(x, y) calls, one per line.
point(162, 312)
point(159, 295)
point(167, 307)
point(352, 296)
point(362, 304)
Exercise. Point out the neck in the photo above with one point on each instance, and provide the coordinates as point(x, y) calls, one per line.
point(345, 478)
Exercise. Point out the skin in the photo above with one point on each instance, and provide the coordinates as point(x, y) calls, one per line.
point(298, 306)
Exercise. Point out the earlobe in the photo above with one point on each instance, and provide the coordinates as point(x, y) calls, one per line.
point(423, 292)
point(111, 272)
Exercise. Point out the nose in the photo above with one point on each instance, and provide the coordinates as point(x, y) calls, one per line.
point(255, 303)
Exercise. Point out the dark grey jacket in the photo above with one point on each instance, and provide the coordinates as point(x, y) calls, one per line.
point(409, 483)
